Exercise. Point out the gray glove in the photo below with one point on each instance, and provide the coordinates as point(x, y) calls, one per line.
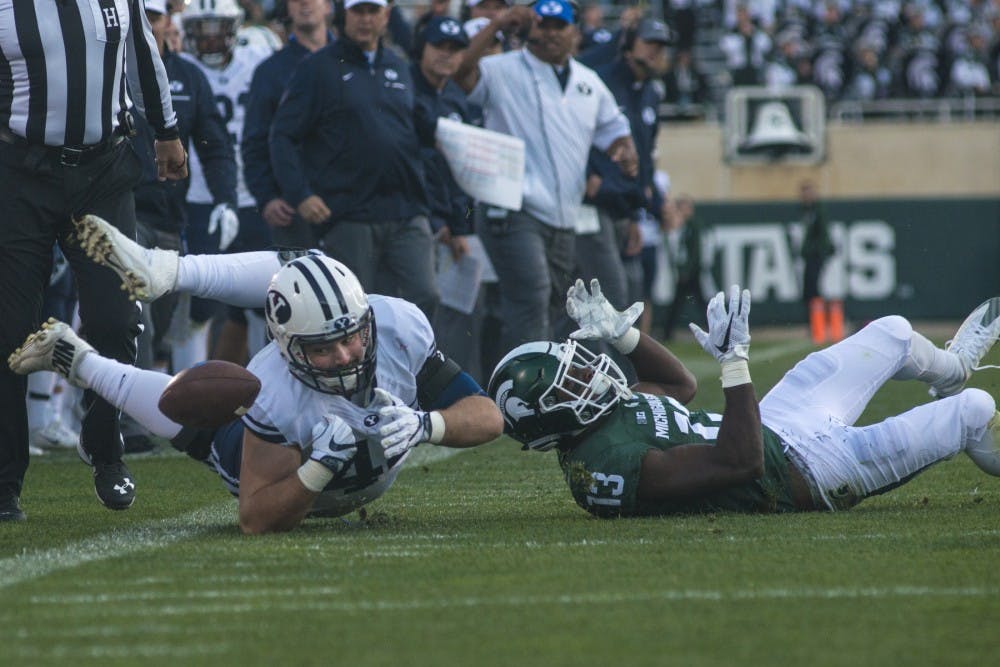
point(728, 336)
point(227, 222)
point(594, 314)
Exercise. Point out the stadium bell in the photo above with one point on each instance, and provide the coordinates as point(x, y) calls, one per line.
point(774, 132)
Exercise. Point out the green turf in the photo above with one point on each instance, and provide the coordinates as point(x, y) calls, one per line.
point(483, 559)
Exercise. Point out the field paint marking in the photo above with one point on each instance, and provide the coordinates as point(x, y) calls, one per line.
point(326, 604)
point(153, 535)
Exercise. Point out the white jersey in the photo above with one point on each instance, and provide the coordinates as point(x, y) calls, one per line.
point(286, 410)
point(230, 85)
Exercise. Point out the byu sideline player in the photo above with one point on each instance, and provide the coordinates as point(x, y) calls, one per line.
point(355, 379)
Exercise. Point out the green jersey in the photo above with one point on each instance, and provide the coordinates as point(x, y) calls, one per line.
point(603, 469)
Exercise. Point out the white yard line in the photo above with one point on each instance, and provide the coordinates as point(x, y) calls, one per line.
point(113, 544)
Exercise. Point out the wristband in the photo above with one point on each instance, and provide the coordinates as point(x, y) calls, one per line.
point(627, 341)
point(735, 373)
point(435, 434)
point(314, 475)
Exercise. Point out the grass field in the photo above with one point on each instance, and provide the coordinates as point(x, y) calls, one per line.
point(482, 558)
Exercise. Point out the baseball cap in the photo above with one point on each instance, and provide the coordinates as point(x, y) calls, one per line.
point(473, 3)
point(353, 3)
point(555, 9)
point(444, 29)
point(651, 30)
point(158, 6)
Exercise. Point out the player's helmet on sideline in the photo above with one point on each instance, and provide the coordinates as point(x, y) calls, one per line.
point(547, 391)
point(316, 299)
point(210, 28)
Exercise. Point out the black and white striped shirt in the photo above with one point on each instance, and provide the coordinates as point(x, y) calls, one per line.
point(63, 65)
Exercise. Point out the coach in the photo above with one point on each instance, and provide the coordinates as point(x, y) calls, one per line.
point(559, 108)
point(346, 155)
point(64, 152)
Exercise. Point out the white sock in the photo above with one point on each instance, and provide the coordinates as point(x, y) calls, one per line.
point(240, 279)
point(192, 350)
point(929, 363)
point(41, 406)
point(134, 390)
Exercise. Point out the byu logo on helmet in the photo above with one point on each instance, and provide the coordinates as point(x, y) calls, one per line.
point(278, 308)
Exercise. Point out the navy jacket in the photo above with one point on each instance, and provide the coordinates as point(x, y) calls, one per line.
point(449, 205)
point(161, 204)
point(345, 131)
point(620, 195)
point(266, 89)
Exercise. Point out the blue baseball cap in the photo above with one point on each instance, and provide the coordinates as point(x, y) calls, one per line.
point(445, 29)
point(555, 9)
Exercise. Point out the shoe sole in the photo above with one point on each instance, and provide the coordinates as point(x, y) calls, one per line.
point(99, 247)
point(116, 508)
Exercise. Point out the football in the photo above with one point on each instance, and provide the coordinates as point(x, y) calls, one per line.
point(209, 395)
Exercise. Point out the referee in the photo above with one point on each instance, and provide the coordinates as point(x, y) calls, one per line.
point(65, 152)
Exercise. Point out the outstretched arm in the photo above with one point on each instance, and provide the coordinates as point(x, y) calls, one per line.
point(737, 456)
point(659, 371)
point(516, 18)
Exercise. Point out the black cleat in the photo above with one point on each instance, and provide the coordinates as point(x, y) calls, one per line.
point(10, 509)
point(114, 485)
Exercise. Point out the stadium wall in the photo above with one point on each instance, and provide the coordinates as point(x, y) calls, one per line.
point(914, 211)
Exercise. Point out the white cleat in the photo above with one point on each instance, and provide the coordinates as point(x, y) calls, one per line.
point(973, 340)
point(146, 274)
point(54, 347)
point(986, 452)
point(54, 435)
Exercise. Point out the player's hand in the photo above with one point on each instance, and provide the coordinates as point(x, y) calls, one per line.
point(402, 428)
point(313, 210)
point(728, 336)
point(278, 213)
point(333, 444)
point(594, 314)
point(623, 153)
point(171, 160)
point(224, 219)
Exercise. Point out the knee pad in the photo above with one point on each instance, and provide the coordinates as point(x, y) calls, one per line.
point(978, 407)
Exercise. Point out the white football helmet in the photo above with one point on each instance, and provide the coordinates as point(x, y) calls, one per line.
point(210, 28)
point(547, 392)
point(316, 299)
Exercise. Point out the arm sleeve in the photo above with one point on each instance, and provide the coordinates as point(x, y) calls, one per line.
point(261, 104)
point(213, 142)
point(296, 115)
point(441, 383)
point(147, 77)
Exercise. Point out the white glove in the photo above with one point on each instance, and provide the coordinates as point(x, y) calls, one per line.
point(728, 337)
point(333, 444)
point(227, 222)
point(598, 319)
point(402, 427)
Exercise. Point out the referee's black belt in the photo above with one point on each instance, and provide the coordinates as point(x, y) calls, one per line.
point(67, 156)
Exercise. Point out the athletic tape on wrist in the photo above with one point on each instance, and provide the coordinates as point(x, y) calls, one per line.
point(627, 341)
point(314, 475)
point(735, 373)
point(436, 432)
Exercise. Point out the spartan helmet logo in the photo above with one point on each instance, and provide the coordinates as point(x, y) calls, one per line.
point(278, 309)
point(513, 408)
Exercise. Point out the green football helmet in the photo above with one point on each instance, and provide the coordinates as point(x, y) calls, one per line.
point(550, 391)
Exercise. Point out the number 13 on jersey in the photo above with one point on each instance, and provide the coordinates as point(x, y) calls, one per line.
point(606, 490)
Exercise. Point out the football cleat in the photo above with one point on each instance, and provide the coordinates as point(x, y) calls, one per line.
point(54, 435)
point(974, 338)
point(54, 347)
point(986, 452)
point(146, 274)
point(114, 485)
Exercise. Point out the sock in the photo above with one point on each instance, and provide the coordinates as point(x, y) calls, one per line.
point(192, 350)
point(240, 279)
point(929, 363)
point(41, 409)
point(134, 390)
